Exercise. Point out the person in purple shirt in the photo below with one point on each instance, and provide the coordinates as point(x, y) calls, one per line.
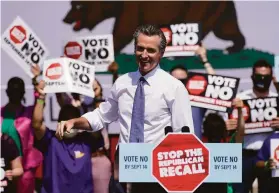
point(67, 164)
point(265, 160)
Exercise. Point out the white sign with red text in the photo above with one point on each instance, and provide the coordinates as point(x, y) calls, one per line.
point(258, 114)
point(209, 91)
point(182, 39)
point(95, 50)
point(23, 45)
point(68, 75)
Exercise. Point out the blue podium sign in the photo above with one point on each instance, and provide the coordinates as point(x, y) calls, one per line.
point(135, 162)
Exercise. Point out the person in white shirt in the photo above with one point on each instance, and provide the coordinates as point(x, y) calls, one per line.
point(262, 76)
point(166, 100)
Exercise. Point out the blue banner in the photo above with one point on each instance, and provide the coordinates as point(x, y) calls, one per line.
point(135, 162)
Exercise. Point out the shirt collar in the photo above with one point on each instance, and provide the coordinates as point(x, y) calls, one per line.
point(149, 77)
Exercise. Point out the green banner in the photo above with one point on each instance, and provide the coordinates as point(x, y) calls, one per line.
point(243, 59)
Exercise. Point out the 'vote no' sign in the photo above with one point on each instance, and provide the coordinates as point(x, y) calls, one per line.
point(180, 162)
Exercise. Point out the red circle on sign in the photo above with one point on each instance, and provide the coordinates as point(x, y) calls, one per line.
point(180, 162)
point(73, 50)
point(54, 71)
point(168, 34)
point(276, 154)
point(196, 85)
point(18, 34)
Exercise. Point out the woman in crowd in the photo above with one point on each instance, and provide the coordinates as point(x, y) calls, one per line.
point(16, 123)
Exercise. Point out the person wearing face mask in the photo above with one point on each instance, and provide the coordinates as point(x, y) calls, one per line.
point(16, 123)
point(262, 76)
point(181, 73)
point(215, 131)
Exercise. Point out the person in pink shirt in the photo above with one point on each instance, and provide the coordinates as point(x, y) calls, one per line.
point(16, 122)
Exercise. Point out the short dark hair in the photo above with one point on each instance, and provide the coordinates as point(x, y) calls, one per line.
point(262, 63)
point(151, 30)
point(16, 83)
point(180, 67)
point(68, 112)
point(214, 127)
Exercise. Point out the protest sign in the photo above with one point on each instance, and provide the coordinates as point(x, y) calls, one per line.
point(274, 152)
point(180, 158)
point(68, 75)
point(258, 114)
point(182, 39)
point(211, 91)
point(95, 50)
point(23, 45)
point(224, 166)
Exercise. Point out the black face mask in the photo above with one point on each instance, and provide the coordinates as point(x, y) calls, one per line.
point(261, 82)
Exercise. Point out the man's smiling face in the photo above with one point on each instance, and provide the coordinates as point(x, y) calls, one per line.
point(147, 53)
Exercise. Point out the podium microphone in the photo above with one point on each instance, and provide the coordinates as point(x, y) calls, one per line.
point(185, 129)
point(168, 129)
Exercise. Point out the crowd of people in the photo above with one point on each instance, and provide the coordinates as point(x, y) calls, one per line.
point(75, 155)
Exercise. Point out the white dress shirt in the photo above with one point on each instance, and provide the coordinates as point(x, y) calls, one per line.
point(166, 104)
point(254, 141)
